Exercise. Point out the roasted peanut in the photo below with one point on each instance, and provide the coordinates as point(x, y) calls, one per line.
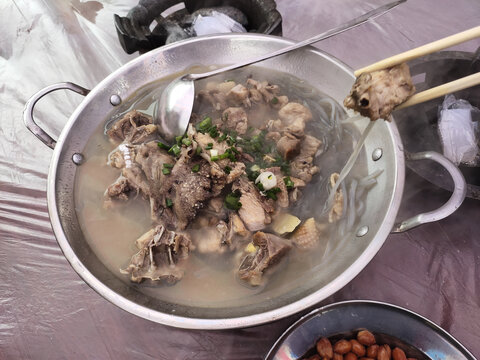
point(365, 337)
point(367, 358)
point(337, 356)
point(350, 356)
point(342, 347)
point(389, 350)
point(357, 348)
point(372, 351)
point(382, 354)
point(324, 348)
point(398, 354)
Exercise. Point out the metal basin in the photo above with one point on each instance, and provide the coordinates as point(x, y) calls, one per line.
point(318, 69)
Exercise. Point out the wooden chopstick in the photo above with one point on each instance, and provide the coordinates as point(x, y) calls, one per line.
point(442, 90)
point(422, 50)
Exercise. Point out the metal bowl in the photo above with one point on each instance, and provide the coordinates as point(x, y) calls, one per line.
point(391, 324)
point(383, 150)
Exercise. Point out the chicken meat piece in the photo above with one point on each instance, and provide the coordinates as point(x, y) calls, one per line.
point(336, 211)
point(255, 209)
point(235, 118)
point(308, 235)
point(288, 146)
point(376, 94)
point(238, 95)
point(187, 190)
point(293, 111)
point(161, 256)
point(302, 165)
point(271, 250)
point(134, 127)
point(266, 91)
point(217, 99)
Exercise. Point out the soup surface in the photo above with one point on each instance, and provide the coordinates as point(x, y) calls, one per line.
point(201, 267)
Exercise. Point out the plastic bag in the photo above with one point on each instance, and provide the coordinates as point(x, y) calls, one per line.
point(216, 23)
point(459, 132)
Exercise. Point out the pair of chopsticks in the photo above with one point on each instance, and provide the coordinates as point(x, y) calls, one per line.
point(441, 90)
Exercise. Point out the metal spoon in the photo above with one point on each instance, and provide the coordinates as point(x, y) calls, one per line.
point(176, 102)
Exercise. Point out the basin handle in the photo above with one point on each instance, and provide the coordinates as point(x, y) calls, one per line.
point(458, 195)
point(29, 106)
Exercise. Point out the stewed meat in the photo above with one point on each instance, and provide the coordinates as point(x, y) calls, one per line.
point(376, 94)
point(134, 127)
point(271, 249)
point(161, 256)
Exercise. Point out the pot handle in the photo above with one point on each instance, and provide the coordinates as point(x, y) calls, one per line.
point(458, 195)
point(29, 106)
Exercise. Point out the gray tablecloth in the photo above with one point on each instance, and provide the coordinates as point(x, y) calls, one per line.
point(47, 312)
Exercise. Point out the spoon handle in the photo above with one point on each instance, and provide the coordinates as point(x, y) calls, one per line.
point(337, 30)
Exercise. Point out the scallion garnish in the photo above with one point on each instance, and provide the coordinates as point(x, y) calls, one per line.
point(166, 171)
point(227, 169)
point(199, 150)
point(168, 166)
point(272, 193)
point(288, 182)
point(274, 100)
point(195, 168)
point(175, 149)
point(209, 146)
point(168, 202)
point(232, 201)
point(204, 125)
point(186, 142)
point(178, 139)
point(162, 146)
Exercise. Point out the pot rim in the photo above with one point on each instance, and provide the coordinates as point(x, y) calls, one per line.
point(221, 323)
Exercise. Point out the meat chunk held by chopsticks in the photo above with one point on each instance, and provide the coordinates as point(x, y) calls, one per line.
point(376, 94)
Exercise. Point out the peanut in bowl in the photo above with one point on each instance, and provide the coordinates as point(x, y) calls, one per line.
point(328, 332)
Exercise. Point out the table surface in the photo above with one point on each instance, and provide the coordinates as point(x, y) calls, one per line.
point(48, 312)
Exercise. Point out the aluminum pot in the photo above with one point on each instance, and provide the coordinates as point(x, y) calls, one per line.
point(383, 150)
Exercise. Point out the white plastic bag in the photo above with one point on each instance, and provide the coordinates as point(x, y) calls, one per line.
point(216, 23)
point(458, 132)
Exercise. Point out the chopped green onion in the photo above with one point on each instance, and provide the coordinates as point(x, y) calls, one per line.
point(227, 169)
point(175, 149)
point(186, 142)
point(226, 116)
point(260, 186)
point(213, 132)
point(214, 158)
point(195, 168)
point(209, 146)
point(178, 139)
point(232, 201)
point(199, 150)
point(288, 182)
point(222, 137)
point(229, 80)
point(168, 166)
point(274, 100)
point(168, 202)
point(204, 125)
point(272, 193)
point(163, 146)
point(166, 171)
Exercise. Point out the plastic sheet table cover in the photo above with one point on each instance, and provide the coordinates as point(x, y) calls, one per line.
point(48, 312)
